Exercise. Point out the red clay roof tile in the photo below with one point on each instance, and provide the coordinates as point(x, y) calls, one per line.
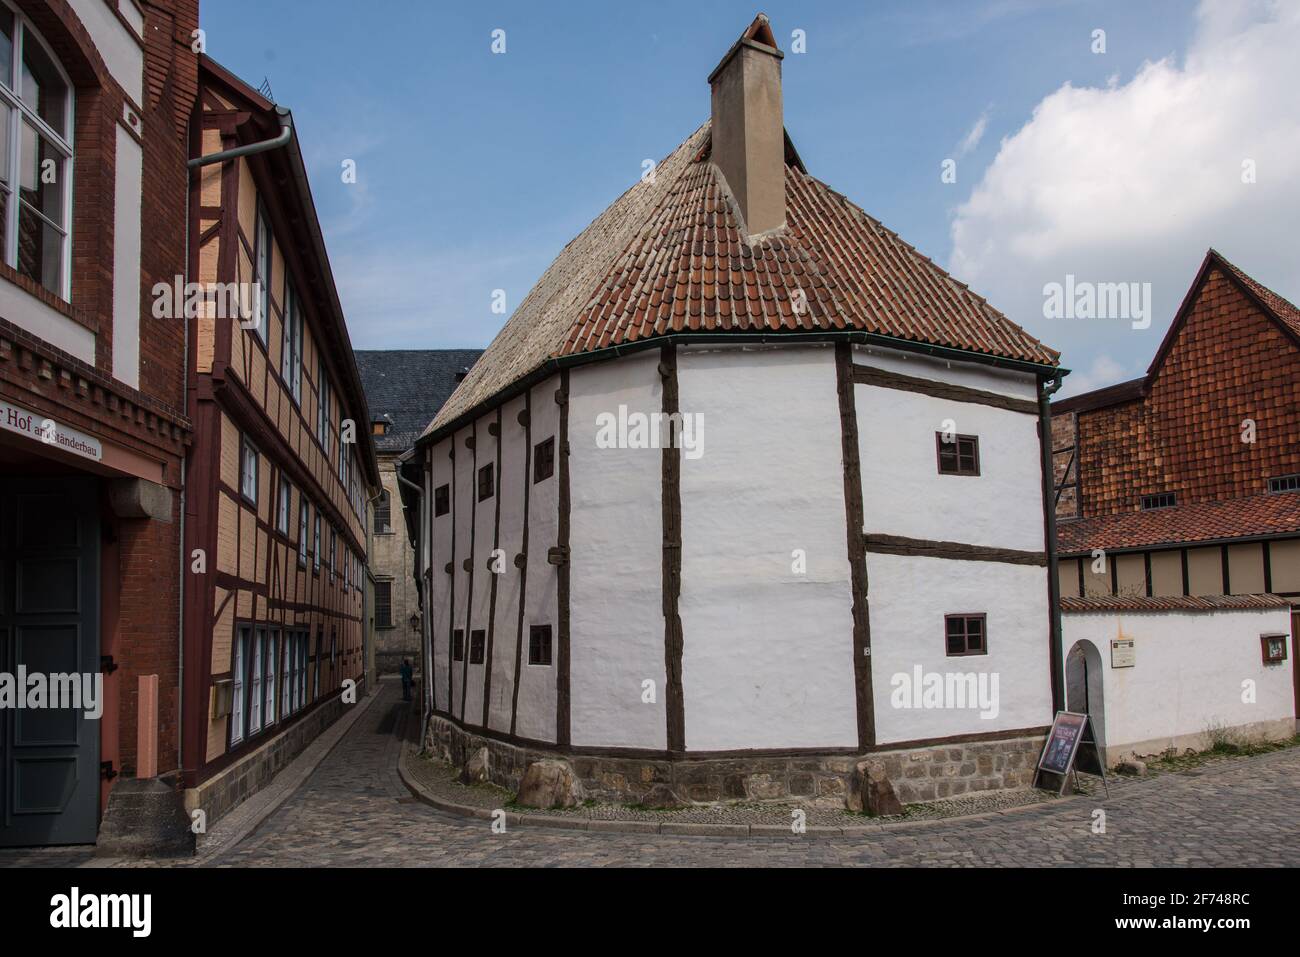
point(1258, 515)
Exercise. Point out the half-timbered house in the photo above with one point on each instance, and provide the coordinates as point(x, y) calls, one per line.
point(283, 466)
point(850, 502)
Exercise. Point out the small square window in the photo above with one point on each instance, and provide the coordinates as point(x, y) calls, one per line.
point(539, 645)
point(1274, 648)
point(485, 483)
point(458, 645)
point(477, 645)
point(442, 500)
point(958, 454)
point(544, 460)
point(966, 634)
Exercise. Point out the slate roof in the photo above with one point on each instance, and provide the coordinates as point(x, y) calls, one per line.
point(668, 258)
point(1104, 603)
point(1256, 516)
point(408, 387)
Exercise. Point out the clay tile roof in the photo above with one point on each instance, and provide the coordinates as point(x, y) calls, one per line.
point(1104, 603)
point(1283, 310)
point(1257, 515)
point(668, 258)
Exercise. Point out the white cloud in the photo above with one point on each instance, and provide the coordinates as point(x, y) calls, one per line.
point(972, 139)
point(1134, 181)
point(1101, 372)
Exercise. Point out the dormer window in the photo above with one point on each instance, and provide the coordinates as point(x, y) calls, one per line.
point(35, 156)
point(1159, 500)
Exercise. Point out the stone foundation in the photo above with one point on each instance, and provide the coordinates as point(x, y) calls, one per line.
point(226, 790)
point(917, 774)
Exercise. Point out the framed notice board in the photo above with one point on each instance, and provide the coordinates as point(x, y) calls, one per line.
point(1070, 745)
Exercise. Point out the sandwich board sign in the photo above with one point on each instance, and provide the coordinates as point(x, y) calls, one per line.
point(1070, 746)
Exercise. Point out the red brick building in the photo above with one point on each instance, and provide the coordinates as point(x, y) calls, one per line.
point(1187, 480)
point(95, 98)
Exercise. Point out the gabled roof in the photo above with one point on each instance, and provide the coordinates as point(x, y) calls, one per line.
point(1258, 516)
point(1280, 311)
point(668, 259)
point(406, 388)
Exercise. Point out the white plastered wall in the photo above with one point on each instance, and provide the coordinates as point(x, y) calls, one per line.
point(616, 541)
point(1188, 678)
point(905, 495)
point(910, 596)
point(768, 651)
point(440, 553)
point(537, 683)
point(513, 478)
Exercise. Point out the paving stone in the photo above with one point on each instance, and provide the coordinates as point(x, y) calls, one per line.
point(354, 811)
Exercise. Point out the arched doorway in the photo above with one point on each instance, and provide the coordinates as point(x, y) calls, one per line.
point(1083, 687)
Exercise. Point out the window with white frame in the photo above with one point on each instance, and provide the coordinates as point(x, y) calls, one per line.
point(282, 514)
point(324, 427)
point(333, 546)
point(302, 534)
point(36, 103)
point(291, 354)
point(300, 671)
point(286, 675)
point(237, 690)
point(263, 275)
point(272, 674)
point(315, 551)
point(248, 471)
point(255, 683)
point(315, 672)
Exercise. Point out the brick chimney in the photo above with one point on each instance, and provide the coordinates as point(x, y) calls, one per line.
point(749, 126)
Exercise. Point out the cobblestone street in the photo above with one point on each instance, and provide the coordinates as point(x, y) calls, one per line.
point(354, 811)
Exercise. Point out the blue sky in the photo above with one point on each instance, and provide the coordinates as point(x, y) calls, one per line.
point(475, 169)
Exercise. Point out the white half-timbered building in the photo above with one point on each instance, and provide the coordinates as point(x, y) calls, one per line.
point(842, 555)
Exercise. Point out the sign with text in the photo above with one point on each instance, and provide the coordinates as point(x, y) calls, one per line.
point(1062, 742)
point(45, 430)
point(1122, 653)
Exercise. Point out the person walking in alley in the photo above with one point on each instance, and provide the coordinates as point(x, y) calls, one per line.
point(408, 677)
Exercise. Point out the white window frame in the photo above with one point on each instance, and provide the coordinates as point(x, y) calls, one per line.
point(247, 453)
point(11, 96)
point(286, 674)
point(255, 683)
point(237, 689)
point(262, 259)
point(291, 356)
point(285, 506)
point(303, 518)
point(315, 552)
point(271, 687)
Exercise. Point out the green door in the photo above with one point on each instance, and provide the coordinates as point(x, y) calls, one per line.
point(49, 624)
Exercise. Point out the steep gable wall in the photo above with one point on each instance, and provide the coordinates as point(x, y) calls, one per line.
point(1228, 363)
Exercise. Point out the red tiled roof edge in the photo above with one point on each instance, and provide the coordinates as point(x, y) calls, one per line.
point(1140, 603)
point(1199, 522)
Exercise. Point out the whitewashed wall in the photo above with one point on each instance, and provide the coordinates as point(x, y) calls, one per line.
point(768, 654)
point(617, 562)
point(462, 510)
point(537, 684)
point(513, 476)
point(910, 597)
point(439, 607)
point(1188, 676)
point(484, 541)
point(904, 494)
